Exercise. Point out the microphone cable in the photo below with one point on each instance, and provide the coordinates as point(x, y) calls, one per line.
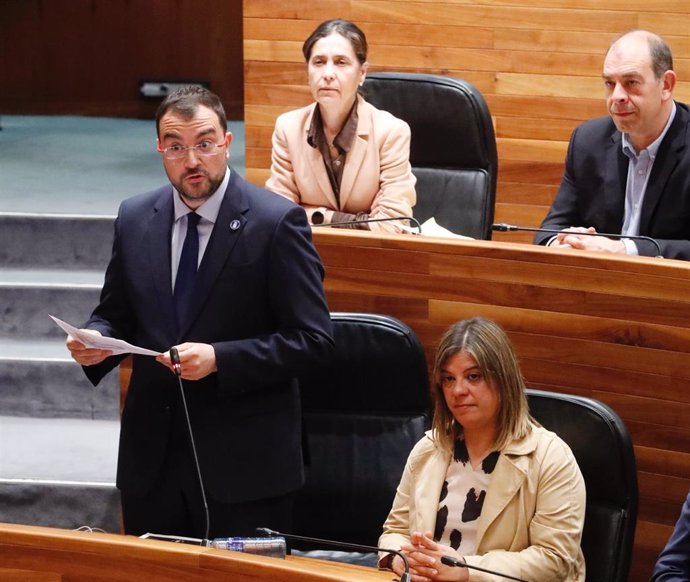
point(503, 227)
point(345, 545)
point(177, 368)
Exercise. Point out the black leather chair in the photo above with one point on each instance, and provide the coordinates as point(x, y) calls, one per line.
point(601, 444)
point(453, 149)
point(362, 416)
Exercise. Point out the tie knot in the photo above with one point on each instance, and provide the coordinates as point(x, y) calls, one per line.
point(193, 219)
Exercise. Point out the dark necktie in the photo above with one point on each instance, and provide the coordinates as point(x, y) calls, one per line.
point(187, 268)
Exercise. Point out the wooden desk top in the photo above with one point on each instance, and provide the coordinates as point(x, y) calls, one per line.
point(42, 554)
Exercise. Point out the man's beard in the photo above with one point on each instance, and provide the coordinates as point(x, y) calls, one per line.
point(198, 195)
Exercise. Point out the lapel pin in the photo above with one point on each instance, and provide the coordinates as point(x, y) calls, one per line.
point(235, 224)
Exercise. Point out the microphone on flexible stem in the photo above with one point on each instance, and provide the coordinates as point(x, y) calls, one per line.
point(177, 368)
point(412, 219)
point(272, 533)
point(456, 563)
point(502, 227)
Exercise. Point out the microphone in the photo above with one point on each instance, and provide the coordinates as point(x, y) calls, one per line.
point(175, 359)
point(455, 563)
point(272, 533)
point(412, 219)
point(177, 368)
point(272, 547)
point(503, 227)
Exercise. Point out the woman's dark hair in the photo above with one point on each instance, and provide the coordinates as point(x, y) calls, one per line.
point(344, 28)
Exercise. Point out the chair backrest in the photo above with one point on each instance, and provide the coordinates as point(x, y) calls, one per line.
point(453, 149)
point(601, 444)
point(362, 416)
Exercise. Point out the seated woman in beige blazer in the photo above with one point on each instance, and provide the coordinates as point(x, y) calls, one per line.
point(487, 484)
point(341, 158)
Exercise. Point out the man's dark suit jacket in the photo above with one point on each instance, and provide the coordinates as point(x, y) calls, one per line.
point(259, 302)
point(592, 192)
point(673, 564)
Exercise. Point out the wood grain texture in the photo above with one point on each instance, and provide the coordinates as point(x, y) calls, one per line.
point(45, 555)
point(537, 63)
point(88, 58)
point(613, 328)
point(617, 333)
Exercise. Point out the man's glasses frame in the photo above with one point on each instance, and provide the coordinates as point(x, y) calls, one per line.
point(205, 148)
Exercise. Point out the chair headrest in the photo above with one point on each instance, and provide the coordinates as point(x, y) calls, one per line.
point(379, 367)
point(449, 118)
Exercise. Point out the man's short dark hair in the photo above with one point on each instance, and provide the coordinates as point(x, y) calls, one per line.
point(186, 100)
point(662, 59)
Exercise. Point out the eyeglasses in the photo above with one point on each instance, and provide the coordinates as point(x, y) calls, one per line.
point(205, 149)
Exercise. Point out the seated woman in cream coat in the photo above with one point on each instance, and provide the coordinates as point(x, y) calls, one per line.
point(341, 158)
point(487, 484)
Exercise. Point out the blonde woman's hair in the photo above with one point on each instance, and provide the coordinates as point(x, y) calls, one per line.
point(489, 345)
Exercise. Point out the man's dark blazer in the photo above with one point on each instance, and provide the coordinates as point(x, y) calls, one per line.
point(673, 564)
point(592, 192)
point(259, 302)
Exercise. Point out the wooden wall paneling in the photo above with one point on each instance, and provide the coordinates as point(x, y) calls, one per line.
point(535, 194)
point(533, 61)
point(258, 176)
point(88, 57)
point(526, 16)
point(532, 105)
point(538, 65)
point(298, 9)
point(664, 23)
point(663, 462)
point(532, 150)
point(529, 172)
point(659, 437)
point(556, 130)
point(265, 72)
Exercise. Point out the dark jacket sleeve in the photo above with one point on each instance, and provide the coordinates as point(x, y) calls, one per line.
point(673, 564)
point(563, 212)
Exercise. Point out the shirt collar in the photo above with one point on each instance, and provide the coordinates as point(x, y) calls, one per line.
point(210, 208)
point(652, 148)
point(346, 135)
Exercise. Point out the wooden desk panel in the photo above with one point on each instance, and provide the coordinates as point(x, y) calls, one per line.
point(613, 328)
point(38, 554)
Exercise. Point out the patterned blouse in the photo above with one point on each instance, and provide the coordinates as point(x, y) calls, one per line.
point(462, 498)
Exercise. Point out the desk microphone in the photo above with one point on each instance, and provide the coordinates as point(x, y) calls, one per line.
point(177, 368)
point(502, 227)
point(456, 563)
point(272, 533)
point(412, 219)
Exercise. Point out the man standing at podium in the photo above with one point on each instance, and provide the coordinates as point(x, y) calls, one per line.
point(629, 173)
point(226, 272)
